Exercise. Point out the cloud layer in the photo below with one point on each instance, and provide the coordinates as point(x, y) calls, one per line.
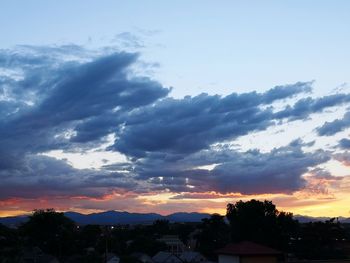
point(72, 99)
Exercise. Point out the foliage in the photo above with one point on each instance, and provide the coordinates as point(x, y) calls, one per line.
point(50, 230)
point(9, 243)
point(261, 222)
point(253, 220)
point(320, 240)
point(89, 235)
point(214, 235)
point(161, 226)
point(146, 245)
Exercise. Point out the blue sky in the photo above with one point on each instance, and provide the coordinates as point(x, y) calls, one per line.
point(159, 105)
point(202, 46)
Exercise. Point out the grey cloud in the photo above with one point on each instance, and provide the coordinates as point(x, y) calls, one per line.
point(306, 106)
point(193, 123)
point(320, 173)
point(70, 98)
point(344, 143)
point(55, 96)
point(47, 92)
point(129, 40)
point(343, 157)
point(287, 91)
point(338, 125)
point(46, 176)
point(251, 172)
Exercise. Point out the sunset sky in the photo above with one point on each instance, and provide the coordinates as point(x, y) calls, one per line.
point(168, 106)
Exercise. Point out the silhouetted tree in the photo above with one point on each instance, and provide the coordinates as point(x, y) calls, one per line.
point(51, 231)
point(146, 245)
point(89, 235)
point(183, 230)
point(261, 222)
point(161, 226)
point(9, 244)
point(320, 240)
point(215, 233)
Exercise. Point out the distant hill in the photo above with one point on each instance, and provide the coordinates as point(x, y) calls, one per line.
point(113, 217)
point(307, 219)
point(186, 217)
point(116, 217)
point(13, 220)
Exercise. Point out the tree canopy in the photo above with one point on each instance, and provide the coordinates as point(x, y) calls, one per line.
point(50, 230)
point(215, 233)
point(260, 222)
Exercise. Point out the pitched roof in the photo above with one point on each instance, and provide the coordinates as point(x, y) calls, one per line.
point(143, 257)
point(161, 256)
point(247, 248)
point(171, 239)
point(189, 256)
point(110, 256)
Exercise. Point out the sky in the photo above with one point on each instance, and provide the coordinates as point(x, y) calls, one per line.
point(159, 106)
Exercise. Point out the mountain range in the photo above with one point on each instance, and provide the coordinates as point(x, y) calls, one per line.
point(306, 219)
point(119, 217)
point(115, 217)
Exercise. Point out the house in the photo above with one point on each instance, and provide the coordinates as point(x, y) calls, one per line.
point(192, 257)
point(142, 257)
point(90, 250)
point(247, 252)
point(35, 254)
point(111, 258)
point(45, 258)
point(166, 257)
point(193, 239)
point(175, 245)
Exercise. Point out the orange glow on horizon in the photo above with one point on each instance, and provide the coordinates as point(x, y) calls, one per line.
point(299, 203)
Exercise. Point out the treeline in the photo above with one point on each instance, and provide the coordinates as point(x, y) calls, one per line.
point(57, 235)
point(262, 223)
point(253, 220)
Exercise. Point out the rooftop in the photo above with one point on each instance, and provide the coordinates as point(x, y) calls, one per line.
point(247, 248)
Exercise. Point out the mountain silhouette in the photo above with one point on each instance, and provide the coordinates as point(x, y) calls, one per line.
point(116, 217)
point(121, 217)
